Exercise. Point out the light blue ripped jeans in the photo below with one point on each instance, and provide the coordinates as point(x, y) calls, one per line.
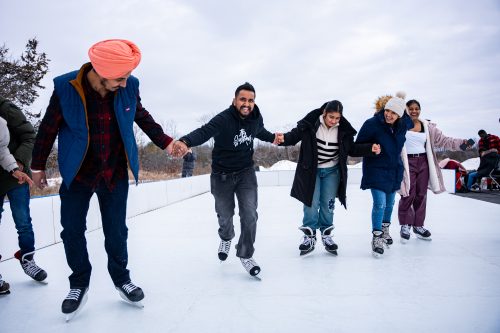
point(320, 214)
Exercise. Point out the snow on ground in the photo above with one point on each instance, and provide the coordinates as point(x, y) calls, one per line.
point(471, 163)
point(449, 284)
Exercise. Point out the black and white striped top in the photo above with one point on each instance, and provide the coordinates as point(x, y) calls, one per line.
point(328, 146)
point(327, 152)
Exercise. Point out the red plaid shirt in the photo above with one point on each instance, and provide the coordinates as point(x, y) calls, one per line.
point(105, 159)
point(491, 141)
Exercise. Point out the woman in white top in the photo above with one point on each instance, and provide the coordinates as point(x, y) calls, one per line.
point(421, 171)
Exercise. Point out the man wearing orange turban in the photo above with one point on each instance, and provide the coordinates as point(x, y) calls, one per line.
point(92, 110)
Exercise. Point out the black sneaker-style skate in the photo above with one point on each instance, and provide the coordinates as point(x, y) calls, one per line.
point(224, 247)
point(30, 267)
point(328, 243)
point(422, 233)
point(385, 233)
point(74, 302)
point(4, 286)
point(377, 243)
point(405, 233)
point(475, 188)
point(308, 242)
point(251, 266)
point(131, 293)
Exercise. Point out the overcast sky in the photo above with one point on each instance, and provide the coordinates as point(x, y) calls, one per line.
point(297, 54)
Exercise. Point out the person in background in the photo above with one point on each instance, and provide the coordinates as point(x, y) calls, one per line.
point(421, 171)
point(233, 173)
point(489, 149)
point(383, 173)
point(188, 164)
point(327, 138)
point(92, 112)
point(18, 137)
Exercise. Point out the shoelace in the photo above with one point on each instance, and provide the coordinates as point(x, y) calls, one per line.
point(74, 294)
point(378, 242)
point(30, 267)
point(420, 230)
point(309, 241)
point(224, 246)
point(248, 263)
point(405, 229)
point(327, 240)
point(129, 287)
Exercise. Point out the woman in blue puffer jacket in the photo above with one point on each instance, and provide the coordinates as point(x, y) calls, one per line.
point(383, 173)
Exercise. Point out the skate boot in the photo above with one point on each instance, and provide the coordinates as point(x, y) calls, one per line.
point(405, 233)
point(131, 293)
point(251, 266)
point(308, 242)
point(422, 233)
point(30, 267)
point(4, 286)
point(377, 243)
point(74, 302)
point(385, 233)
point(328, 243)
point(224, 247)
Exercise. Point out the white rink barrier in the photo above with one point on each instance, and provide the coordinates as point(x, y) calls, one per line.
point(45, 211)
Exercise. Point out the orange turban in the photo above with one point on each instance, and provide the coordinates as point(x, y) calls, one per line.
point(114, 58)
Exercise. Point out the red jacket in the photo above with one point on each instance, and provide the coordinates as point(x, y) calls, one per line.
point(491, 141)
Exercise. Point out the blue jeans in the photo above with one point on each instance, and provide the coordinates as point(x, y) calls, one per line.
point(74, 207)
point(382, 208)
point(472, 178)
point(243, 184)
point(19, 199)
point(320, 214)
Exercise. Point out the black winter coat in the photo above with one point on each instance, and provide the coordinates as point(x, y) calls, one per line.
point(307, 166)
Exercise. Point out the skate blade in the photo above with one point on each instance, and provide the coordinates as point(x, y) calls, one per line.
point(5, 292)
point(305, 253)
point(136, 304)
point(403, 241)
point(376, 254)
point(256, 277)
point(44, 282)
point(333, 252)
point(424, 238)
point(70, 316)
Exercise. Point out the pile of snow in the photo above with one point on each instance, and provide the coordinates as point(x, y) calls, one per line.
point(471, 163)
point(289, 165)
point(280, 165)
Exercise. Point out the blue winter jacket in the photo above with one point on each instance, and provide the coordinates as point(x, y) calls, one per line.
point(74, 135)
point(384, 171)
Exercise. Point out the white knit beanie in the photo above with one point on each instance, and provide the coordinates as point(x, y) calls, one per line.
point(397, 104)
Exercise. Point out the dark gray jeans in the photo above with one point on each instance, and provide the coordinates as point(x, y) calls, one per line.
point(223, 187)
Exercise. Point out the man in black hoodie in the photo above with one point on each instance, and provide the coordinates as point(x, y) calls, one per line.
point(234, 130)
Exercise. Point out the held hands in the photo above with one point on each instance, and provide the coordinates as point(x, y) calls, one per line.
point(40, 179)
point(278, 138)
point(376, 149)
point(178, 149)
point(22, 177)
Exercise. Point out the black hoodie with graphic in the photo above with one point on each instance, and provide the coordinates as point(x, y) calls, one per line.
point(233, 138)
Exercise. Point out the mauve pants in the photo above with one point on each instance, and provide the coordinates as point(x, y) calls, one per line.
point(412, 208)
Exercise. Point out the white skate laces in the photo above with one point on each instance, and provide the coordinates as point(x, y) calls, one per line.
point(129, 287)
point(74, 294)
point(224, 246)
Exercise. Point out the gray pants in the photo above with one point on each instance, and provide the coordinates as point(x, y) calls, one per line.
point(223, 187)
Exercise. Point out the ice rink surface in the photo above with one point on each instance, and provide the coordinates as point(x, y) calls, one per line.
point(449, 284)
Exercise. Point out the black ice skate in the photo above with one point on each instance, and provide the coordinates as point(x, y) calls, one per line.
point(377, 243)
point(30, 267)
point(74, 302)
point(4, 286)
point(385, 233)
point(405, 233)
point(251, 266)
point(131, 294)
point(328, 243)
point(422, 233)
point(224, 247)
point(308, 242)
